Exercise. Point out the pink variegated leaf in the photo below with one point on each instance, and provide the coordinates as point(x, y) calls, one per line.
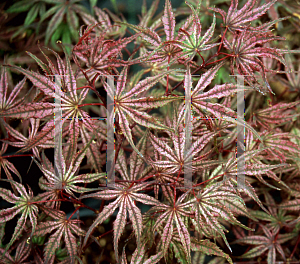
point(144, 85)
point(160, 220)
point(148, 34)
point(8, 196)
point(254, 169)
point(71, 243)
point(282, 238)
point(121, 165)
point(124, 125)
point(45, 228)
point(236, 19)
point(29, 110)
point(254, 252)
point(8, 165)
point(167, 233)
point(144, 119)
point(135, 216)
point(103, 195)
point(119, 224)
point(53, 243)
point(92, 153)
point(206, 79)
point(155, 258)
point(8, 214)
point(272, 255)
point(76, 160)
point(163, 148)
point(107, 211)
point(184, 235)
point(41, 82)
point(151, 102)
point(168, 20)
point(121, 82)
point(253, 240)
point(145, 199)
point(123, 259)
point(138, 254)
point(293, 205)
point(71, 148)
point(199, 144)
point(136, 162)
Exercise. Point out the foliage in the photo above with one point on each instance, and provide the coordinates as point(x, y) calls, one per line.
point(153, 151)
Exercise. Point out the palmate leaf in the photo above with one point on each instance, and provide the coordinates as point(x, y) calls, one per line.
point(99, 54)
point(125, 195)
point(195, 43)
point(173, 214)
point(22, 253)
point(125, 105)
point(211, 204)
point(237, 19)
point(28, 143)
point(264, 243)
point(7, 165)
point(8, 103)
point(67, 179)
point(246, 56)
point(64, 228)
point(199, 98)
point(24, 205)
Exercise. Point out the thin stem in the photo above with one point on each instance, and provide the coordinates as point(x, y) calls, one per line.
point(296, 246)
point(174, 187)
point(18, 155)
point(222, 39)
point(90, 104)
point(167, 88)
point(209, 180)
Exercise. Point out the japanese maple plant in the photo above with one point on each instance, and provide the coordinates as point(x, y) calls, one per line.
point(184, 223)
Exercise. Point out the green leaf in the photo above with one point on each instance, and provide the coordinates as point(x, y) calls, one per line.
point(209, 248)
point(31, 15)
point(20, 6)
point(54, 23)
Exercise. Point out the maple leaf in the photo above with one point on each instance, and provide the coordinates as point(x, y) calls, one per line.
point(135, 161)
point(245, 55)
point(64, 228)
point(66, 179)
point(277, 218)
point(99, 54)
point(125, 195)
point(177, 158)
point(104, 24)
point(215, 202)
point(22, 253)
point(70, 101)
point(270, 241)
point(237, 19)
point(172, 215)
point(23, 204)
point(10, 102)
point(275, 114)
point(127, 107)
point(24, 142)
point(194, 43)
point(199, 99)
point(7, 165)
point(162, 51)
